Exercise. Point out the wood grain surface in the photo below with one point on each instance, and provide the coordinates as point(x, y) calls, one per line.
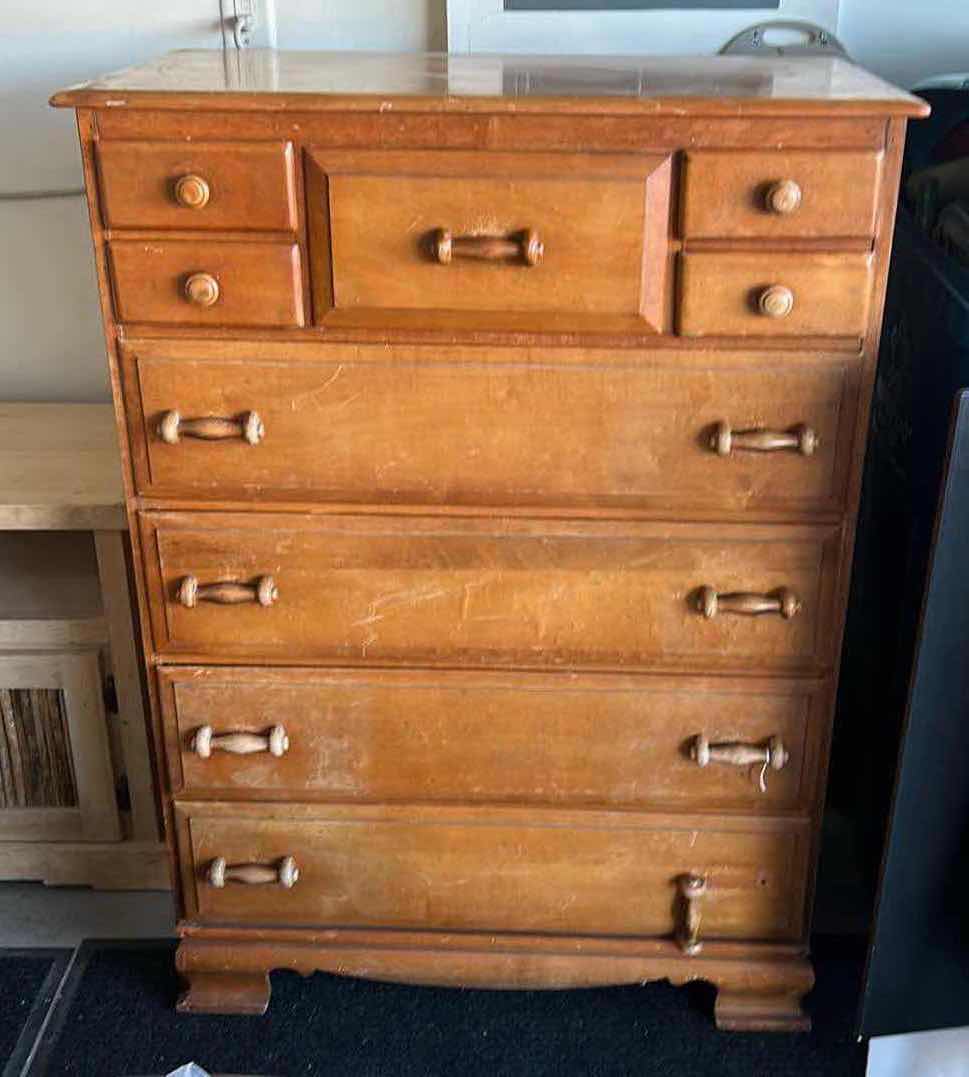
point(502, 738)
point(410, 426)
point(457, 871)
point(250, 185)
point(258, 283)
point(726, 194)
point(490, 593)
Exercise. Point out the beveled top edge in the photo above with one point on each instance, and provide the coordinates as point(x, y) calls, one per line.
point(269, 80)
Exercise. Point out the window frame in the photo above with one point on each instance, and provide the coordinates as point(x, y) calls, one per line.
point(485, 26)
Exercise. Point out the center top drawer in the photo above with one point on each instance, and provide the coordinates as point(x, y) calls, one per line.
point(545, 241)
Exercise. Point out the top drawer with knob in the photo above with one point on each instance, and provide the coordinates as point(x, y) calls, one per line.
point(782, 195)
point(247, 186)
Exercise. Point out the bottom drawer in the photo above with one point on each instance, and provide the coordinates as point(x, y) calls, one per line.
point(489, 870)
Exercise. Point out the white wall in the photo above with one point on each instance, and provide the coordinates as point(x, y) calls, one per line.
point(51, 345)
point(394, 25)
point(907, 40)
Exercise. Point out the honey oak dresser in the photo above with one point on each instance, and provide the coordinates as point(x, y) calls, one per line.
point(492, 431)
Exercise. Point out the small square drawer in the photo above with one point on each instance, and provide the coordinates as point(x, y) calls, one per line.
point(207, 282)
point(488, 870)
point(779, 194)
point(201, 185)
point(774, 295)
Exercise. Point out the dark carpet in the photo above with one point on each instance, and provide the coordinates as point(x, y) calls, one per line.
point(26, 987)
point(118, 1020)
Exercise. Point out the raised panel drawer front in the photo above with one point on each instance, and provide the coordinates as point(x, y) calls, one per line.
point(461, 870)
point(781, 194)
point(545, 241)
point(206, 282)
point(477, 592)
point(611, 741)
point(197, 185)
point(774, 295)
point(402, 426)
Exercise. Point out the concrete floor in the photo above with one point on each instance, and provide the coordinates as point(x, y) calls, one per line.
point(32, 914)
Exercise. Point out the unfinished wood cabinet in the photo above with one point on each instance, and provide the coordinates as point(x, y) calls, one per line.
point(76, 799)
point(493, 446)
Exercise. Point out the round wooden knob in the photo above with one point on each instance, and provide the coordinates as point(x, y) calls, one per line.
point(192, 192)
point(777, 301)
point(783, 198)
point(202, 289)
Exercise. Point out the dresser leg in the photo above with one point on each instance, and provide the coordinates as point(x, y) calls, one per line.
point(224, 992)
point(744, 1011)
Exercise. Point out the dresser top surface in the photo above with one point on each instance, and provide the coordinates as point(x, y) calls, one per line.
point(263, 79)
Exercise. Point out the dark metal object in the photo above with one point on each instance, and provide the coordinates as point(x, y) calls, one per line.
point(918, 974)
point(815, 40)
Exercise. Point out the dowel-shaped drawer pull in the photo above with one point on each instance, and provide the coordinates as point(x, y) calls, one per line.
point(777, 301)
point(710, 603)
point(690, 890)
point(525, 246)
point(246, 427)
point(192, 191)
point(201, 289)
point(227, 592)
point(283, 873)
point(783, 197)
point(773, 755)
point(800, 439)
point(205, 741)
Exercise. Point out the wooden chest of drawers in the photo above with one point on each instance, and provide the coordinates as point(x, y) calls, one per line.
point(492, 458)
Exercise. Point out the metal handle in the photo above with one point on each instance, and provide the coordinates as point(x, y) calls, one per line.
point(710, 603)
point(192, 191)
point(205, 741)
point(783, 197)
point(227, 592)
point(201, 289)
point(525, 246)
point(801, 439)
point(777, 301)
point(247, 426)
point(773, 755)
point(690, 890)
point(283, 873)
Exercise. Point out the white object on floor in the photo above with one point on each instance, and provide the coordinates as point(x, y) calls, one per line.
point(944, 1053)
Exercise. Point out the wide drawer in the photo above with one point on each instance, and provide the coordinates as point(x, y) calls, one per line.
point(650, 743)
point(207, 282)
point(474, 592)
point(774, 295)
point(461, 870)
point(405, 426)
point(779, 195)
point(198, 185)
point(530, 240)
